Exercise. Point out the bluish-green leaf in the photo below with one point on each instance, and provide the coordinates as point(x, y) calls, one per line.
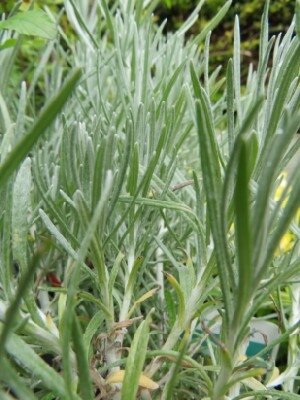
point(14, 381)
point(20, 210)
point(25, 355)
point(47, 116)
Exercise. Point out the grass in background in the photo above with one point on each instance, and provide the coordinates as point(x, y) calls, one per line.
point(148, 211)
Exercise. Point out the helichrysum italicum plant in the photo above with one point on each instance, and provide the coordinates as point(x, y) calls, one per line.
point(147, 213)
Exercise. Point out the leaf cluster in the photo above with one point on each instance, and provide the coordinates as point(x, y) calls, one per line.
point(140, 223)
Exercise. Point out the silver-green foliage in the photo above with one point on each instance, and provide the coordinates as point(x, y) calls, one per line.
point(117, 203)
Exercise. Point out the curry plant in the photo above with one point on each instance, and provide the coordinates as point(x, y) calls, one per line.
point(155, 221)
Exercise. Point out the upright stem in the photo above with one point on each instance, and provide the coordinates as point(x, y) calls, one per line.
point(160, 282)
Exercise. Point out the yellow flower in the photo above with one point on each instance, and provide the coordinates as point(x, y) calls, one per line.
point(288, 239)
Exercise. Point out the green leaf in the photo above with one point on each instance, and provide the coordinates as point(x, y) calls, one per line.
point(180, 296)
point(89, 297)
point(21, 206)
point(170, 307)
point(253, 148)
point(288, 72)
point(85, 384)
point(91, 329)
point(297, 11)
point(187, 278)
point(64, 242)
point(8, 43)
point(13, 308)
point(109, 19)
point(243, 231)
point(83, 24)
point(49, 396)
point(230, 104)
point(47, 116)
point(277, 148)
point(276, 395)
point(213, 22)
point(264, 32)
point(32, 22)
point(114, 272)
point(118, 184)
point(186, 25)
point(133, 171)
point(135, 361)
point(237, 69)
point(24, 354)
point(212, 184)
point(168, 390)
point(133, 273)
point(13, 381)
point(243, 131)
point(74, 281)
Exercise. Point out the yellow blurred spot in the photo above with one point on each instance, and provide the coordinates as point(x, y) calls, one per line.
point(254, 384)
point(282, 185)
point(297, 217)
point(288, 239)
point(286, 243)
point(242, 358)
point(151, 194)
point(281, 188)
point(144, 381)
point(51, 325)
point(274, 375)
point(25, 5)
